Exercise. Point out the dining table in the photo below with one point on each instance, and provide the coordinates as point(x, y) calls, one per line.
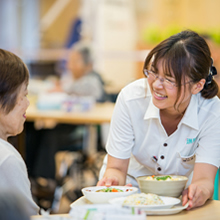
point(98, 114)
point(209, 211)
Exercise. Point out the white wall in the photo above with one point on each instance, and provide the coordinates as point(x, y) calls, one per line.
point(113, 37)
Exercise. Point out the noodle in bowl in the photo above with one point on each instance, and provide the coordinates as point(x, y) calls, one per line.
point(163, 185)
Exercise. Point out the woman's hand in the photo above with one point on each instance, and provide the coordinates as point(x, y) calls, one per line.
point(108, 181)
point(115, 173)
point(202, 185)
point(195, 195)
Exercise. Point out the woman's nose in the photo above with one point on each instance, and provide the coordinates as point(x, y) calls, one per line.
point(158, 83)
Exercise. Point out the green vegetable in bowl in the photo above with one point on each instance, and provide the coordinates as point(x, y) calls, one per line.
point(162, 177)
point(109, 190)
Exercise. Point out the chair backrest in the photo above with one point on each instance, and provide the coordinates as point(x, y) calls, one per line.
point(216, 186)
point(104, 97)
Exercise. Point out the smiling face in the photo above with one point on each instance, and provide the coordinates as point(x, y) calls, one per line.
point(12, 123)
point(166, 98)
point(186, 57)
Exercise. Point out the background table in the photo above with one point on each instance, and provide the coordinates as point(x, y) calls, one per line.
point(99, 114)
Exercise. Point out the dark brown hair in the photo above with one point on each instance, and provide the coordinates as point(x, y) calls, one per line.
point(13, 73)
point(185, 54)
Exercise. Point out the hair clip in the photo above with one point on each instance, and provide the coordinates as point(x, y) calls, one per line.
point(212, 72)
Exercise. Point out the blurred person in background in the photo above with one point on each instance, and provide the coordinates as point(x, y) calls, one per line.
point(14, 78)
point(79, 80)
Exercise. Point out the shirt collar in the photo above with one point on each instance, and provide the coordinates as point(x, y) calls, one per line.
point(152, 111)
point(190, 117)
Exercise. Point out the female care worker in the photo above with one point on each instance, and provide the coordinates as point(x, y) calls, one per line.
point(169, 122)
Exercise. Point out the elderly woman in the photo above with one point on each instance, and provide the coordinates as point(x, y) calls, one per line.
point(14, 77)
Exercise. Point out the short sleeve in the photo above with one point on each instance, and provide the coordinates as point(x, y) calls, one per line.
point(121, 136)
point(208, 150)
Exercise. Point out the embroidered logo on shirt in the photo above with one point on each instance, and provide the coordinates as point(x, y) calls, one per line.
point(190, 140)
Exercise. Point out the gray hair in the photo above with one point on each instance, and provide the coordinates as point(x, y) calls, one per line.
point(85, 50)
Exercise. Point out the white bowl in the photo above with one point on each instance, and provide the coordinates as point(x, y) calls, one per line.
point(103, 197)
point(163, 188)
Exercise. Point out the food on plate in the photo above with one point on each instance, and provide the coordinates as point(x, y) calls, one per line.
point(102, 194)
point(143, 199)
point(163, 178)
point(109, 190)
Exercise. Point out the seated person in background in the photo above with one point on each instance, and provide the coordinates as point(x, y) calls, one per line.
point(80, 80)
point(14, 77)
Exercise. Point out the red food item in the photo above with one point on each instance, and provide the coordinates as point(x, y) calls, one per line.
point(114, 190)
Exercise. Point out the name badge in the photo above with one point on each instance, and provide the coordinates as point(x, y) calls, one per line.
point(189, 158)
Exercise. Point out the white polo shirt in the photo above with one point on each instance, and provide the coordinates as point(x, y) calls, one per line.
point(136, 132)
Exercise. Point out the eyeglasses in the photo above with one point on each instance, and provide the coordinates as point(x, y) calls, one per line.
point(154, 76)
point(165, 82)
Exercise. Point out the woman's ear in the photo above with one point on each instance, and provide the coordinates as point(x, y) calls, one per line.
point(198, 86)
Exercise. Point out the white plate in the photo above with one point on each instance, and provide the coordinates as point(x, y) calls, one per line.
point(174, 210)
point(81, 201)
point(169, 202)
